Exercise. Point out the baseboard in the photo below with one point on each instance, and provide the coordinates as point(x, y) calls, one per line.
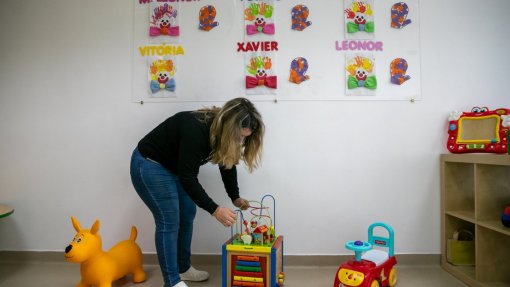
point(289, 260)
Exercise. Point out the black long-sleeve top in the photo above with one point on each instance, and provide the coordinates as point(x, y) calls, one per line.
point(181, 144)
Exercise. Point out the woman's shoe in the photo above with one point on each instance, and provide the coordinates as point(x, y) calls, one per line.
point(194, 275)
point(180, 284)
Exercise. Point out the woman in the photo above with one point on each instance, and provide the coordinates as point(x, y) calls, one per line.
point(164, 172)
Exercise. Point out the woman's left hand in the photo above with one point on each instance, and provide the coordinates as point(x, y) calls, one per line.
point(241, 203)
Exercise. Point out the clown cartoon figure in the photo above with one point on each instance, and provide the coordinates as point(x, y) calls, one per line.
point(258, 19)
point(257, 70)
point(161, 74)
point(163, 20)
point(359, 19)
point(361, 73)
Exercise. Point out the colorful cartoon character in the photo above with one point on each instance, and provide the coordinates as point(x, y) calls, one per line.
point(360, 73)
point(361, 18)
point(398, 68)
point(480, 130)
point(298, 68)
point(163, 21)
point(164, 25)
point(100, 268)
point(370, 267)
point(399, 12)
point(161, 74)
point(257, 68)
point(259, 15)
point(206, 18)
point(260, 22)
point(299, 16)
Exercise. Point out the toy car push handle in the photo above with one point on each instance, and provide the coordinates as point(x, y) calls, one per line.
point(382, 241)
point(358, 247)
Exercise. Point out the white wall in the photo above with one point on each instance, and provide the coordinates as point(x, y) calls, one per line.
point(68, 126)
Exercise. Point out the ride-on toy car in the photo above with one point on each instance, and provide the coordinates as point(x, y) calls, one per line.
point(370, 267)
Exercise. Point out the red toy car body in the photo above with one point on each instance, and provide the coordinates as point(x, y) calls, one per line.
point(375, 267)
point(366, 274)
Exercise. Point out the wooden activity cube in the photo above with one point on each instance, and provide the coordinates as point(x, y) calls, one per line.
point(252, 265)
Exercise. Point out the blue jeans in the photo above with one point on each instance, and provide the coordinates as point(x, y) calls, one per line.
point(173, 211)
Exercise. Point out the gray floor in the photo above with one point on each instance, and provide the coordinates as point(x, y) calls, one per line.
point(67, 274)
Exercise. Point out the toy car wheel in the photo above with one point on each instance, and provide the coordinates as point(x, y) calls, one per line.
point(393, 277)
point(375, 283)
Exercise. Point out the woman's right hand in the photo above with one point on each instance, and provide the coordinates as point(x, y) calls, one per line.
point(225, 216)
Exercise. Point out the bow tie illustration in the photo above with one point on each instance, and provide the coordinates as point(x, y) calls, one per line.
point(369, 27)
point(369, 83)
point(172, 31)
point(266, 29)
point(157, 86)
point(268, 81)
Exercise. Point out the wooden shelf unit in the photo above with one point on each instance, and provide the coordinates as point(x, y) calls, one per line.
point(475, 188)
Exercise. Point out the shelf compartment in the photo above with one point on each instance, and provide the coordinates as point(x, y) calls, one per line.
point(492, 191)
point(459, 186)
point(453, 224)
point(495, 225)
point(492, 257)
point(464, 273)
point(464, 215)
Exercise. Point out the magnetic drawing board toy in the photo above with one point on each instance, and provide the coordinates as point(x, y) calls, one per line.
point(480, 130)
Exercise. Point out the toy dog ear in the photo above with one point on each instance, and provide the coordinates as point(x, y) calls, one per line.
point(95, 227)
point(76, 224)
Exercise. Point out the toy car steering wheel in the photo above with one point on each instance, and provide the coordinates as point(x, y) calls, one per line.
point(358, 247)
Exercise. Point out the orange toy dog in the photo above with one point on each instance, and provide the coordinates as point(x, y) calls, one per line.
point(100, 268)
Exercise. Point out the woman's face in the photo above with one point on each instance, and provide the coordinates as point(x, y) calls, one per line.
point(245, 132)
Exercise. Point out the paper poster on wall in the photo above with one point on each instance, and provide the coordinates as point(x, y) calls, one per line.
point(310, 71)
point(361, 77)
point(259, 20)
point(398, 70)
point(207, 18)
point(399, 13)
point(260, 73)
point(299, 18)
point(298, 69)
point(359, 19)
point(395, 48)
point(164, 22)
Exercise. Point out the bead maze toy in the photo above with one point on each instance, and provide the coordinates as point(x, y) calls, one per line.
point(253, 256)
point(370, 267)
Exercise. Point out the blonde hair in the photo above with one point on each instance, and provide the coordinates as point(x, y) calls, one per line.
point(225, 133)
